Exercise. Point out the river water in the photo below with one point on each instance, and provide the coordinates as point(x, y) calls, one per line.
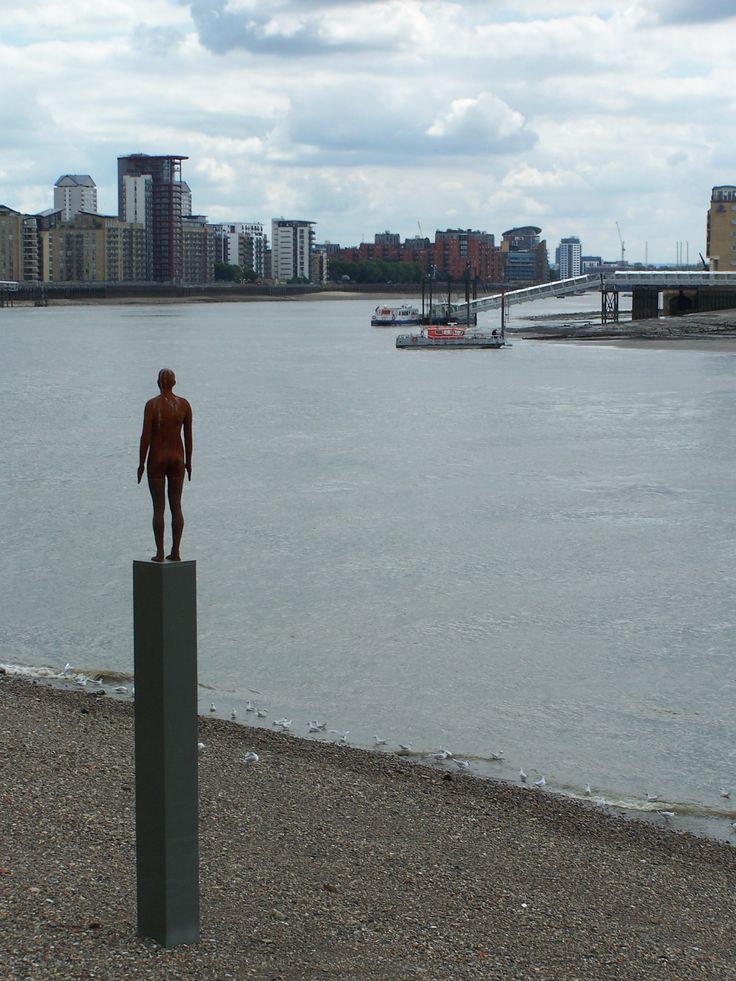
point(527, 552)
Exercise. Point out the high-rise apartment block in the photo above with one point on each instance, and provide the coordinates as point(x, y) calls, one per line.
point(461, 253)
point(74, 193)
point(291, 249)
point(721, 229)
point(90, 248)
point(242, 244)
point(198, 249)
point(524, 256)
point(18, 246)
point(569, 257)
point(162, 210)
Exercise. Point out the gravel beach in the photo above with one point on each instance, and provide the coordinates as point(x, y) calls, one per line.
point(323, 861)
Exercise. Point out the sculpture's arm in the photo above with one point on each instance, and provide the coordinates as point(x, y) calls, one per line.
point(145, 439)
point(188, 440)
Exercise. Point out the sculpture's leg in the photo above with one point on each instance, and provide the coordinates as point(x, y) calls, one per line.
point(157, 487)
point(176, 485)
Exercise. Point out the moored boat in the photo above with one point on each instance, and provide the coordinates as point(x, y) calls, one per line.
point(451, 336)
point(403, 316)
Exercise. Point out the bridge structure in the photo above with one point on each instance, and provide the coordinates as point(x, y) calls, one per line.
point(685, 291)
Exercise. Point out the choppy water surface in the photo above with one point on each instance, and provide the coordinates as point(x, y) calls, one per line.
point(527, 552)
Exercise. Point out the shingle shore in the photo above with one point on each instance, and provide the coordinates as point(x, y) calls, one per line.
point(327, 862)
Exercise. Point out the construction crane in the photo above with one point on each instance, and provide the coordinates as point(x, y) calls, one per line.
point(623, 247)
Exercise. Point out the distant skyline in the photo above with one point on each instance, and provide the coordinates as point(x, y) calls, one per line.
point(395, 114)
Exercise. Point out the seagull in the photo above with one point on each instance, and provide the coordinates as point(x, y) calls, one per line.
point(250, 757)
point(667, 815)
point(282, 723)
point(442, 754)
point(81, 681)
point(495, 756)
point(249, 706)
point(405, 747)
point(733, 826)
point(315, 726)
point(540, 783)
point(462, 764)
point(233, 714)
point(725, 793)
point(121, 690)
point(213, 707)
point(342, 734)
point(67, 669)
point(200, 746)
point(261, 714)
point(378, 741)
point(588, 790)
point(522, 776)
point(652, 798)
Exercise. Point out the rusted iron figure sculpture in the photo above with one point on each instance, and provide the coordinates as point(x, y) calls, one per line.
point(163, 420)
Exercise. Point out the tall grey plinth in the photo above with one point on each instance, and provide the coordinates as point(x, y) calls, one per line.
point(167, 851)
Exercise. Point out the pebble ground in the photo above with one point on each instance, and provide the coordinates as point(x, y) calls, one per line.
point(326, 862)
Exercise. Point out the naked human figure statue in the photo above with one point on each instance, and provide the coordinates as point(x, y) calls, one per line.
point(164, 418)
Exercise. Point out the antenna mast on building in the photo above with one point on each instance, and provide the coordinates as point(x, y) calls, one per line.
point(623, 247)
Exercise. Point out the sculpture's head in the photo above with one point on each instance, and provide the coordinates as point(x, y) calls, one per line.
point(166, 379)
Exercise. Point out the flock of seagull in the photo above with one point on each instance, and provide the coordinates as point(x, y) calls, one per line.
point(442, 755)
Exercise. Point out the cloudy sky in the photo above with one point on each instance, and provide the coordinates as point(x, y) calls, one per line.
point(363, 116)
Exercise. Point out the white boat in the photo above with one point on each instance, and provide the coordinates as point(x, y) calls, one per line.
point(451, 336)
point(403, 316)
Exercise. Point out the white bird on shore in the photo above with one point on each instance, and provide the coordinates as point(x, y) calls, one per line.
point(461, 764)
point(725, 793)
point(588, 790)
point(540, 783)
point(667, 815)
point(378, 741)
point(213, 707)
point(405, 747)
point(282, 723)
point(342, 734)
point(233, 714)
point(495, 757)
point(442, 754)
point(249, 706)
point(200, 746)
point(67, 669)
point(81, 680)
point(652, 798)
point(261, 714)
point(315, 726)
point(251, 757)
point(733, 826)
point(522, 776)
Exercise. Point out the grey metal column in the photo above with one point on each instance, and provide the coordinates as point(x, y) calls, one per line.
point(167, 848)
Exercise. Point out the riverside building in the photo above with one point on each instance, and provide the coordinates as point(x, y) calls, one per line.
point(158, 200)
point(569, 257)
point(292, 241)
point(242, 244)
point(74, 193)
point(18, 246)
point(721, 229)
